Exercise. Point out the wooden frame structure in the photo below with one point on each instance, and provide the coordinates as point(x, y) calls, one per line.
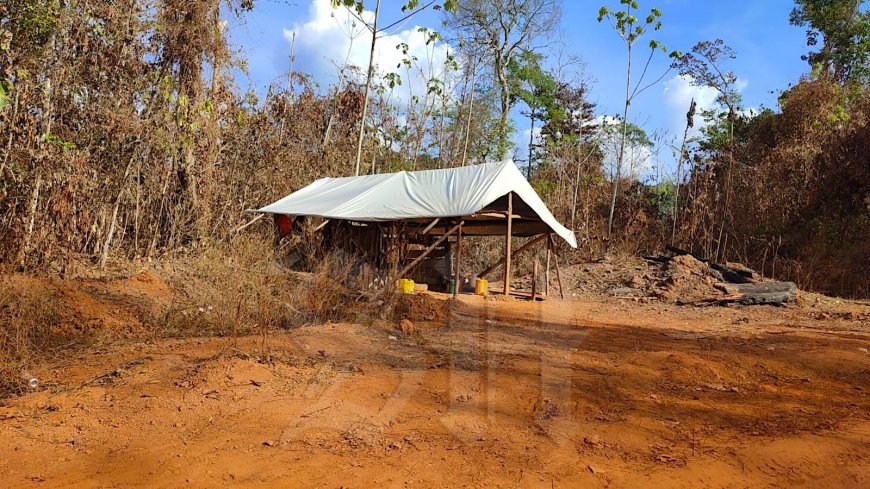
point(486, 223)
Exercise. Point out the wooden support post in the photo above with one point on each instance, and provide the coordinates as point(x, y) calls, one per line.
point(535, 280)
point(558, 269)
point(547, 274)
point(507, 245)
point(428, 250)
point(456, 274)
point(519, 250)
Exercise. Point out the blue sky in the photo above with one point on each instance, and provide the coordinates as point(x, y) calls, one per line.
point(768, 51)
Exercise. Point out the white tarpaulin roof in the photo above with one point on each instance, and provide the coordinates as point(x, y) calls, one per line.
point(450, 192)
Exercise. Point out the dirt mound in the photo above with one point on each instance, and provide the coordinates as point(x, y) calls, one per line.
point(144, 284)
point(421, 307)
point(682, 278)
point(119, 307)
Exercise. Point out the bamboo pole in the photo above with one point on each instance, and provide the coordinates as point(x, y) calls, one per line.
point(507, 245)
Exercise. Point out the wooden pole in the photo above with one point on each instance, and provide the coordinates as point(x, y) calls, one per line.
point(320, 226)
point(516, 252)
point(547, 274)
point(428, 250)
point(456, 275)
point(558, 269)
point(507, 245)
point(535, 280)
point(430, 226)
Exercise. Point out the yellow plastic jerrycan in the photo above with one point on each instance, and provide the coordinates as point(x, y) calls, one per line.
point(481, 286)
point(406, 286)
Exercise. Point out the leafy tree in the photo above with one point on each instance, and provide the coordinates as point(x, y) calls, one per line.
point(574, 122)
point(704, 68)
point(840, 29)
point(505, 29)
point(537, 88)
point(570, 136)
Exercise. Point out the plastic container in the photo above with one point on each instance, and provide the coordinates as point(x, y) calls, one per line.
point(406, 286)
point(451, 286)
point(481, 286)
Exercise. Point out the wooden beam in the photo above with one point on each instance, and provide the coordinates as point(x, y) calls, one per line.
point(430, 226)
point(495, 214)
point(252, 221)
point(515, 253)
point(428, 250)
point(321, 226)
point(558, 269)
point(520, 228)
point(507, 244)
point(456, 275)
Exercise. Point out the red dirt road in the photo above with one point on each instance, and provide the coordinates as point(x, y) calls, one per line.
point(505, 394)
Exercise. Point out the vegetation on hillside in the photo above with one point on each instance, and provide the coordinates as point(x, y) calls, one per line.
point(124, 134)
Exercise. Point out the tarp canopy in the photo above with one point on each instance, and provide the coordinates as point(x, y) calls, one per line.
point(445, 193)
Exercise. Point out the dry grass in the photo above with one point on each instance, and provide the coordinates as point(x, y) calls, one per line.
point(240, 288)
point(29, 332)
point(228, 290)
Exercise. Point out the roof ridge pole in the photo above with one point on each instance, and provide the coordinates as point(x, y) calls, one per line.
point(507, 244)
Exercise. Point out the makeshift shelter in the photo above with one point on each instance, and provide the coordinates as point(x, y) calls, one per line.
point(431, 209)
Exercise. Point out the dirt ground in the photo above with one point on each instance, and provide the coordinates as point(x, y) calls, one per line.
point(574, 393)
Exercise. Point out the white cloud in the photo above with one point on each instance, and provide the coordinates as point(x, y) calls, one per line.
point(678, 94)
point(329, 38)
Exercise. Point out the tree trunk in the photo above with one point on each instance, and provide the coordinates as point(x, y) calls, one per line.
point(505, 108)
point(34, 206)
point(470, 112)
point(689, 116)
point(621, 155)
point(362, 120)
point(720, 248)
point(577, 178)
point(531, 142)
